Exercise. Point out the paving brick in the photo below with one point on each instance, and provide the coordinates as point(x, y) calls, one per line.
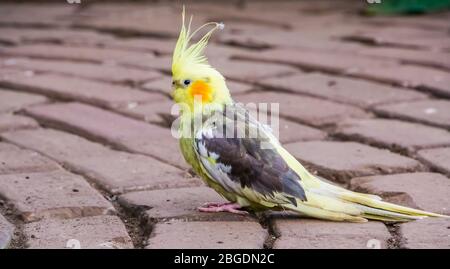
point(438, 158)
point(99, 232)
point(8, 72)
point(416, 190)
point(407, 37)
point(217, 235)
point(120, 131)
point(393, 134)
point(426, 234)
point(56, 194)
point(434, 112)
point(246, 71)
point(425, 78)
point(158, 113)
point(317, 234)
point(11, 101)
point(36, 15)
point(158, 46)
point(236, 88)
point(162, 85)
point(105, 72)
point(146, 20)
point(410, 56)
point(14, 160)
point(10, 122)
point(304, 109)
point(342, 161)
point(434, 26)
point(162, 64)
point(114, 171)
point(12, 36)
point(6, 232)
point(385, 70)
point(311, 38)
point(179, 203)
point(216, 51)
point(73, 53)
point(318, 60)
point(352, 91)
point(70, 88)
point(290, 131)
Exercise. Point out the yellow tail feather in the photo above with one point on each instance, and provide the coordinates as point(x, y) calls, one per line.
point(331, 202)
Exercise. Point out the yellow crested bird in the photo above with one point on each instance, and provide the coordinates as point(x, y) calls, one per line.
point(253, 172)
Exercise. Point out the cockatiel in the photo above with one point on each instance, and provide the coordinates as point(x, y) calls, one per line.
point(253, 172)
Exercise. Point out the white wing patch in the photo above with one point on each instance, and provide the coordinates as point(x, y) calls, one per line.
point(219, 172)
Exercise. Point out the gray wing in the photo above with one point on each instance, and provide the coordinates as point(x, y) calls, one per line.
point(239, 164)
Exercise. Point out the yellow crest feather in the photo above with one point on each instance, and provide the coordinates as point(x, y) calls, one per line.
point(192, 56)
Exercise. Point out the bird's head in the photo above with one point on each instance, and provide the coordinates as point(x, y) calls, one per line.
point(194, 81)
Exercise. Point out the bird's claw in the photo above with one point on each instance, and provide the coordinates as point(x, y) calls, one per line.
point(222, 207)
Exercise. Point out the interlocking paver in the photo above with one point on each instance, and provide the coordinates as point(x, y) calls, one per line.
point(247, 71)
point(86, 54)
point(290, 131)
point(217, 234)
point(411, 56)
point(304, 109)
point(11, 100)
point(426, 234)
point(312, 40)
point(434, 112)
point(179, 203)
point(319, 60)
point(394, 134)
point(76, 89)
point(405, 37)
point(11, 35)
point(342, 161)
point(357, 92)
point(9, 122)
point(98, 232)
point(145, 20)
point(121, 131)
point(56, 194)
point(158, 46)
point(9, 72)
point(114, 171)
point(158, 113)
point(6, 232)
point(16, 160)
point(385, 70)
point(104, 72)
point(36, 15)
point(425, 78)
point(316, 234)
point(438, 158)
point(161, 63)
point(416, 190)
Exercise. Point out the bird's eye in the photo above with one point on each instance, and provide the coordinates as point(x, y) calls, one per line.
point(186, 82)
point(173, 83)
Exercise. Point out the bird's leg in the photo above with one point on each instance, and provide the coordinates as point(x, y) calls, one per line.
point(222, 207)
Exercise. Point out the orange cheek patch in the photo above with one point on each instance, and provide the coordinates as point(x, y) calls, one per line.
point(202, 89)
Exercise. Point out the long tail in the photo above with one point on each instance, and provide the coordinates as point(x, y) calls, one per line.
point(330, 202)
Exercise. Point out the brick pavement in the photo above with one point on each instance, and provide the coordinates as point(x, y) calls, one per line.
point(85, 146)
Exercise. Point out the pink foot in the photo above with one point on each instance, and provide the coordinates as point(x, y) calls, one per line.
point(222, 207)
